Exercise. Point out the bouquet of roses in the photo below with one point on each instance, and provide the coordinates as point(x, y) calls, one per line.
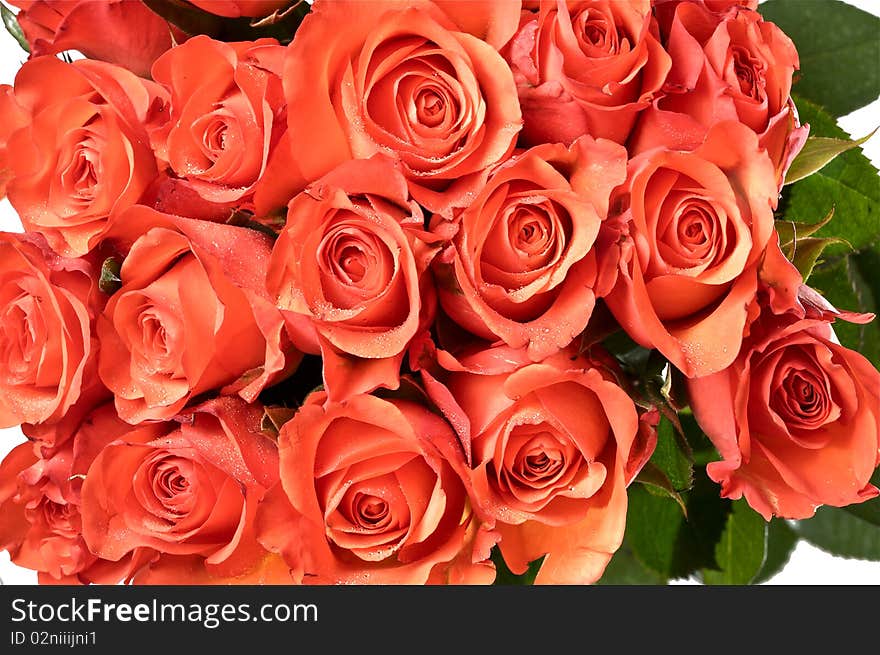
point(414, 291)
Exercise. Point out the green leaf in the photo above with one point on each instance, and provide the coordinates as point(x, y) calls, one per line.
point(870, 509)
point(818, 151)
point(845, 284)
point(849, 184)
point(781, 540)
point(841, 533)
point(10, 22)
point(671, 459)
point(625, 569)
point(658, 483)
point(808, 250)
point(741, 551)
point(504, 576)
point(838, 46)
point(790, 231)
point(109, 281)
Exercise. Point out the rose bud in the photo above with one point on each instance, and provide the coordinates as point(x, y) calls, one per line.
point(83, 156)
point(48, 353)
point(400, 79)
point(552, 452)
point(192, 315)
point(119, 32)
point(371, 492)
point(699, 225)
point(796, 419)
point(522, 267)
point(349, 272)
point(586, 67)
point(191, 491)
point(226, 116)
point(726, 66)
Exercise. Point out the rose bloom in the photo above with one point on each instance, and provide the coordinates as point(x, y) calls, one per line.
point(41, 524)
point(522, 267)
point(192, 315)
point(226, 116)
point(700, 224)
point(551, 454)
point(83, 156)
point(796, 419)
point(48, 355)
point(371, 493)
point(586, 67)
point(239, 8)
point(402, 79)
point(120, 32)
point(726, 66)
point(664, 10)
point(190, 492)
point(349, 271)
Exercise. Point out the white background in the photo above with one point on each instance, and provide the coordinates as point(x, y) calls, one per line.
point(808, 564)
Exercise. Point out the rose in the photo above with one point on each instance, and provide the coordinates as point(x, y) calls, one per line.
point(14, 117)
point(700, 224)
point(239, 8)
point(227, 114)
point(41, 525)
point(586, 67)
point(725, 66)
point(522, 266)
point(47, 350)
point(116, 31)
point(191, 316)
point(796, 419)
point(349, 270)
point(664, 10)
point(399, 78)
point(371, 493)
point(192, 492)
point(551, 451)
point(84, 155)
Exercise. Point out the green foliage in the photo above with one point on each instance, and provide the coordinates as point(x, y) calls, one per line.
point(839, 47)
point(781, 540)
point(842, 533)
point(741, 551)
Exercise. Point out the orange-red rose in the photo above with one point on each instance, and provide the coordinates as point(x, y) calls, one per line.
point(190, 492)
point(226, 115)
point(552, 452)
point(371, 493)
point(239, 8)
point(349, 271)
point(796, 419)
point(522, 267)
point(192, 316)
point(399, 77)
point(120, 32)
point(699, 225)
point(726, 66)
point(48, 353)
point(84, 155)
point(586, 67)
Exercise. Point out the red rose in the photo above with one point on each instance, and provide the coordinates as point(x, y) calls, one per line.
point(191, 491)
point(400, 78)
point(700, 224)
point(552, 452)
point(239, 8)
point(796, 418)
point(522, 267)
point(84, 155)
point(349, 271)
point(41, 524)
point(730, 66)
point(226, 115)
point(586, 67)
point(120, 32)
point(371, 493)
point(192, 316)
point(48, 354)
